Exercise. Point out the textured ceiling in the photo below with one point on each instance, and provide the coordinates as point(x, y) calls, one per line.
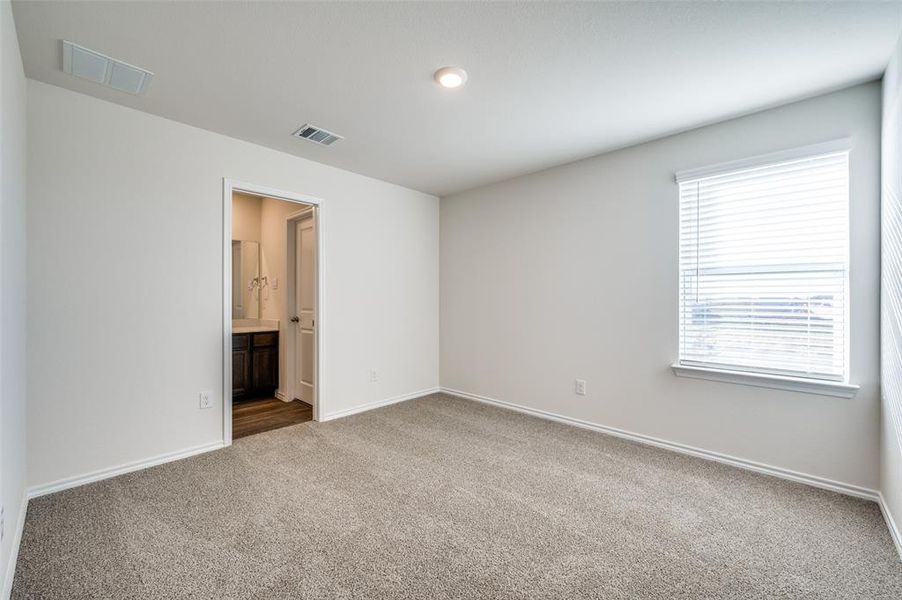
point(549, 82)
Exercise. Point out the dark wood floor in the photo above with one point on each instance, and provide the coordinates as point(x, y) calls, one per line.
point(257, 416)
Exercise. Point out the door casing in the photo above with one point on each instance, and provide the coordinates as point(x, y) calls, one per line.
point(292, 358)
point(228, 187)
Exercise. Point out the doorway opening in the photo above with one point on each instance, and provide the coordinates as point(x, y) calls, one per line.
point(271, 318)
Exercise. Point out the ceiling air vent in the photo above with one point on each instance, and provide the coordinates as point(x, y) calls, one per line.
point(100, 68)
point(317, 134)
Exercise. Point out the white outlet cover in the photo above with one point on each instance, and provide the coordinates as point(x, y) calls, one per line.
point(206, 399)
point(581, 387)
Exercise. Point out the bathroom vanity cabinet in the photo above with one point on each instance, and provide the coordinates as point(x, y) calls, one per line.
point(255, 365)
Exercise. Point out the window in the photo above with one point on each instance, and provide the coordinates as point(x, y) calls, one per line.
point(764, 266)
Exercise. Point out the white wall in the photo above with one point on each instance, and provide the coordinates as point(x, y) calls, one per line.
point(246, 217)
point(12, 291)
point(891, 294)
point(572, 273)
point(117, 199)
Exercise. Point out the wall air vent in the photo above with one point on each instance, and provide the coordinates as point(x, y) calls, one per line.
point(100, 68)
point(317, 134)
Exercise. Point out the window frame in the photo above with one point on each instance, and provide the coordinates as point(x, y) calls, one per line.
point(830, 387)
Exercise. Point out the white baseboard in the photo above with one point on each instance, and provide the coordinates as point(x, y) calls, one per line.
point(10, 571)
point(378, 404)
point(894, 531)
point(812, 480)
point(280, 396)
point(71, 482)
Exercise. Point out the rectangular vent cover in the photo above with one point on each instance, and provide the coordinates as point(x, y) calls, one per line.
point(317, 134)
point(100, 68)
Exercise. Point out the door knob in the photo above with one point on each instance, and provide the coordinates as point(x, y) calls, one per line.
point(294, 319)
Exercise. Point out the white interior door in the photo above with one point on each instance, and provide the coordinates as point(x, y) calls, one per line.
point(305, 310)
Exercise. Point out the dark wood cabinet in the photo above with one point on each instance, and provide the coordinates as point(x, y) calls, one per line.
point(241, 365)
point(255, 365)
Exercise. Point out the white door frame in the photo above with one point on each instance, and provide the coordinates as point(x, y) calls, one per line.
point(291, 358)
point(228, 187)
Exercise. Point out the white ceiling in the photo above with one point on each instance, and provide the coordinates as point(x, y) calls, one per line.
point(549, 82)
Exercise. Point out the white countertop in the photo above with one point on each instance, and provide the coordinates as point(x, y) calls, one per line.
point(254, 325)
point(256, 329)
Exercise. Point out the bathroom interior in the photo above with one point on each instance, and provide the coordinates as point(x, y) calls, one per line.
point(273, 313)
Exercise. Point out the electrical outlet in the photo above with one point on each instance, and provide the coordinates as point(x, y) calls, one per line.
point(206, 399)
point(581, 387)
point(374, 375)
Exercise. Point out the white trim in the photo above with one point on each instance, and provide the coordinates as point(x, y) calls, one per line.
point(226, 394)
point(831, 147)
point(378, 404)
point(101, 474)
point(233, 185)
point(262, 190)
point(71, 482)
point(299, 214)
point(776, 382)
point(281, 396)
point(749, 465)
point(290, 360)
point(10, 571)
point(894, 531)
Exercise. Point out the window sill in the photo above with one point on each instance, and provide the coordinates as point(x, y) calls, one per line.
point(794, 384)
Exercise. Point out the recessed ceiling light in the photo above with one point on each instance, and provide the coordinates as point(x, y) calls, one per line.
point(451, 77)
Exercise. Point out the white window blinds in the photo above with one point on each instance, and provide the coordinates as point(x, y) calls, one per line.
point(764, 268)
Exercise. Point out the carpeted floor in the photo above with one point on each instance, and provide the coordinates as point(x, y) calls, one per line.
point(445, 498)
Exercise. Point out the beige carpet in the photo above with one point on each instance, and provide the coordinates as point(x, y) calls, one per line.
point(445, 498)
